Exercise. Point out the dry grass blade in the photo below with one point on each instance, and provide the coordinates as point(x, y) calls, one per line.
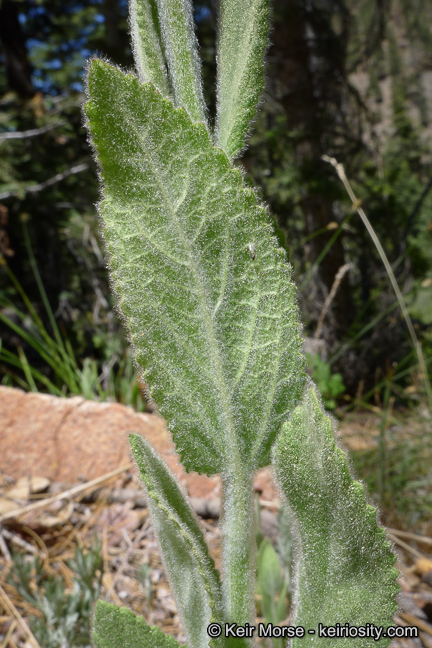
point(4, 548)
point(69, 493)
point(413, 620)
point(406, 546)
point(9, 633)
point(341, 173)
point(270, 505)
point(10, 607)
point(411, 536)
point(336, 283)
point(41, 544)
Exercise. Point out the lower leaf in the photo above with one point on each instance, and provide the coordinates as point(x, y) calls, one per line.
point(271, 584)
point(190, 570)
point(345, 566)
point(118, 627)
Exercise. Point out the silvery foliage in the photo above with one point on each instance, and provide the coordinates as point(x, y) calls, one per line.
point(207, 297)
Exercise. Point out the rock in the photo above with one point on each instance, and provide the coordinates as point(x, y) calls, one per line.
point(72, 439)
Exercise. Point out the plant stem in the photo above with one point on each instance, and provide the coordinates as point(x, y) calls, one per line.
point(239, 547)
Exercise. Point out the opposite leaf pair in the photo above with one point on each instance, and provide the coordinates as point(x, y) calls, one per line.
point(210, 324)
point(210, 307)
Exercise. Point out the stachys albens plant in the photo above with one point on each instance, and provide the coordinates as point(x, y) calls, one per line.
point(208, 300)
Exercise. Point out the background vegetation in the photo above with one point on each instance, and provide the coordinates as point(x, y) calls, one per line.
point(346, 78)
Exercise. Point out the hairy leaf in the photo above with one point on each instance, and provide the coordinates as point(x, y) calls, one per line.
point(192, 574)
point(243, 38)
point(114, 627)
point(181, 48)
point(345, 566)
point(205, 290)
point(147, 45)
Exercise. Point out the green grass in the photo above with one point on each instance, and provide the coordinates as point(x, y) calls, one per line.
point(56, 369)
point(405, 493)
point(62, 615)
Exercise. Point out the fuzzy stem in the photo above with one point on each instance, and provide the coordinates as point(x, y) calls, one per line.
point(239, 548)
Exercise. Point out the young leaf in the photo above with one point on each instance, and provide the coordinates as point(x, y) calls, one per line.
point(178, 34)
point(115, 627)
point(345, 570)
point(271, 584)
point(192, 574)
point(147, 45)
point(204, 288)
point(242, 41)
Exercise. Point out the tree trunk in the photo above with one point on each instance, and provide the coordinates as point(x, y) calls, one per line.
point(310, 58)
point(18, 68)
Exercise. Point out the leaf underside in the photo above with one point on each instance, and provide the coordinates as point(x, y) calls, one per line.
point(193, 578)
point(114, 627)
point(181, 50)
point(345, 566)
point(243, 38)
point(205, 291)
point(147, 44)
